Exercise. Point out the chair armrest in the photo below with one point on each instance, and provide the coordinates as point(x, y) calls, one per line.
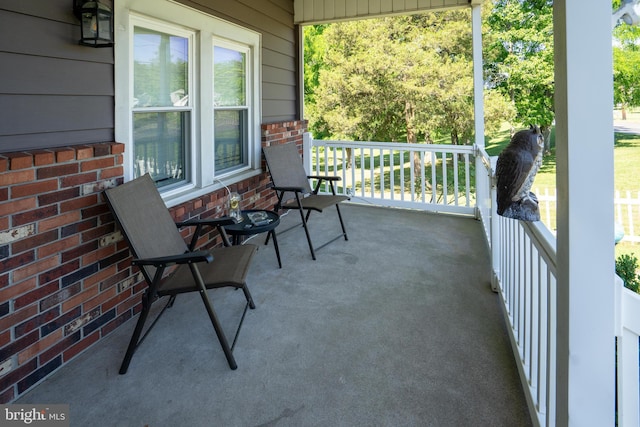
point(198, 256)
point(294, 189)
point(212, 222)
point(328, 178)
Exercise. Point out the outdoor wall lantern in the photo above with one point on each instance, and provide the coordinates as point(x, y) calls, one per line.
point(95, 23)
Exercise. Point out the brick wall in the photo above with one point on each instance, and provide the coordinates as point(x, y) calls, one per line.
point(66, 279)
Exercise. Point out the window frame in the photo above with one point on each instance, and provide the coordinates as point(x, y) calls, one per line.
point(206, 29)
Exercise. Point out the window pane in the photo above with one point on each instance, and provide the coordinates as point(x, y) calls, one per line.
point(230, 139)
point(160, 146)
point(229, 77)
point(161, 63)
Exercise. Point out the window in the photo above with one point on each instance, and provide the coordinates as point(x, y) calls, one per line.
point(187, 98)
point(230, 106)
point(161, 110)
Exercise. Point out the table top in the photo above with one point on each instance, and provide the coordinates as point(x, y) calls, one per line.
point(247, 227)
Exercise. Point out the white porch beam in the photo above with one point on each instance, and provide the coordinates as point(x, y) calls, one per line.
point(478, 77)
point(585, 238)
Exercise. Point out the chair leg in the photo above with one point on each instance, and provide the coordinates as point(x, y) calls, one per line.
point(306, 230)
point(214, 318)
point(133, 343)
point(219, 332)
point(344, 231)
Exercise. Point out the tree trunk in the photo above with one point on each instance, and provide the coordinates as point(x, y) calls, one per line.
point(546, 134)
point(623, 110)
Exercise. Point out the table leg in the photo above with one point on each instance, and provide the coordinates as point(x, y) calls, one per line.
point(272, 233)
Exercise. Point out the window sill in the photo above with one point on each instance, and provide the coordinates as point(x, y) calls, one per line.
point(190, 193)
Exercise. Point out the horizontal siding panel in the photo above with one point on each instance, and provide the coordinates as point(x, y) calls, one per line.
point(31, 35)
point(278, 60)
point(36, 114)
point(58, 10)
point(54, 139)
point(279, 92)
point(278, 76)
point(32, 75)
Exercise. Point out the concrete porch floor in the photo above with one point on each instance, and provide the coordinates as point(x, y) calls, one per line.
point(396, 327)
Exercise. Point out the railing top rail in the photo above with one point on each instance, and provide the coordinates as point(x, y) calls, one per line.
point(544, 241)
point(405, 146)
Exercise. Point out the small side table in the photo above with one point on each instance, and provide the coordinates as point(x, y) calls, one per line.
point(248, 228)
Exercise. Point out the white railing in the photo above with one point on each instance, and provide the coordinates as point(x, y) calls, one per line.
point(425, 176)
point(627, 336)
point(523, 253)
point(626, 205)
point(526, 281)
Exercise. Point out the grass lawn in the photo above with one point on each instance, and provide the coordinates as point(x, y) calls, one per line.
point(626, 160)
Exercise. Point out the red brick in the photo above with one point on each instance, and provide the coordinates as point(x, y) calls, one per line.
point(59, 221)
point(9, 264)
point(58, 272)
point(111, 172)
point(39, 346)
point(4, 194)
point(79, 299)
point(58, 348)
point(18, 316)
point(101, 163)
point(18, 177)
point(36, 294)
point(58, 196)
point(98, 255)
point(65, 154)
point(4, 164)
point(100, 276)
point(17, 289)
point(34, 268)
point(79, 179)
point(19, 160)
point(84, 152)
point(78, 203)
point(100, 150)
point(58, 246)
point(34, 241)
point(37, 187)
point(5, 338)
point(117, 148)
point(57, 171)
point(11, 207)
point(81, 346)
point(100, 299)
point(43, 157)
point(129, 303)
point(34, 215)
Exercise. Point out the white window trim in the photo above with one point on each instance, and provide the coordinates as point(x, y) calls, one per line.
point(208, 29)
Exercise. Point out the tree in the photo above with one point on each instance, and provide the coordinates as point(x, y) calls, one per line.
point(626, 65)
point(519, 59)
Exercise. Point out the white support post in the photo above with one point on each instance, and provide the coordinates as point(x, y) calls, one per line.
point(585, 238)
point(307, 146)
point(478, 78)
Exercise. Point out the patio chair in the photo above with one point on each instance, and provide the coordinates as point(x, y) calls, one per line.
point(292, 187)
point(168, 265)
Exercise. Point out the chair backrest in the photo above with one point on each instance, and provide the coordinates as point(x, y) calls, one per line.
point(285, 167)
point(145, 220)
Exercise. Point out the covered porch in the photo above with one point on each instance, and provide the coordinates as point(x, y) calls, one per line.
point(397, 326)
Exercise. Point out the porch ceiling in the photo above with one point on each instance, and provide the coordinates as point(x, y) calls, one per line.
point(319, 11)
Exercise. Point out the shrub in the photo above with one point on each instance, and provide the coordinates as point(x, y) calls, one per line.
point(626, 267)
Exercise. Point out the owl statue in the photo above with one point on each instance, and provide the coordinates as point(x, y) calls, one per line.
point(516, 169)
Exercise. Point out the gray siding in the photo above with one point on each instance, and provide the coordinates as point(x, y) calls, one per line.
point(274, 20)
point(54, 92)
